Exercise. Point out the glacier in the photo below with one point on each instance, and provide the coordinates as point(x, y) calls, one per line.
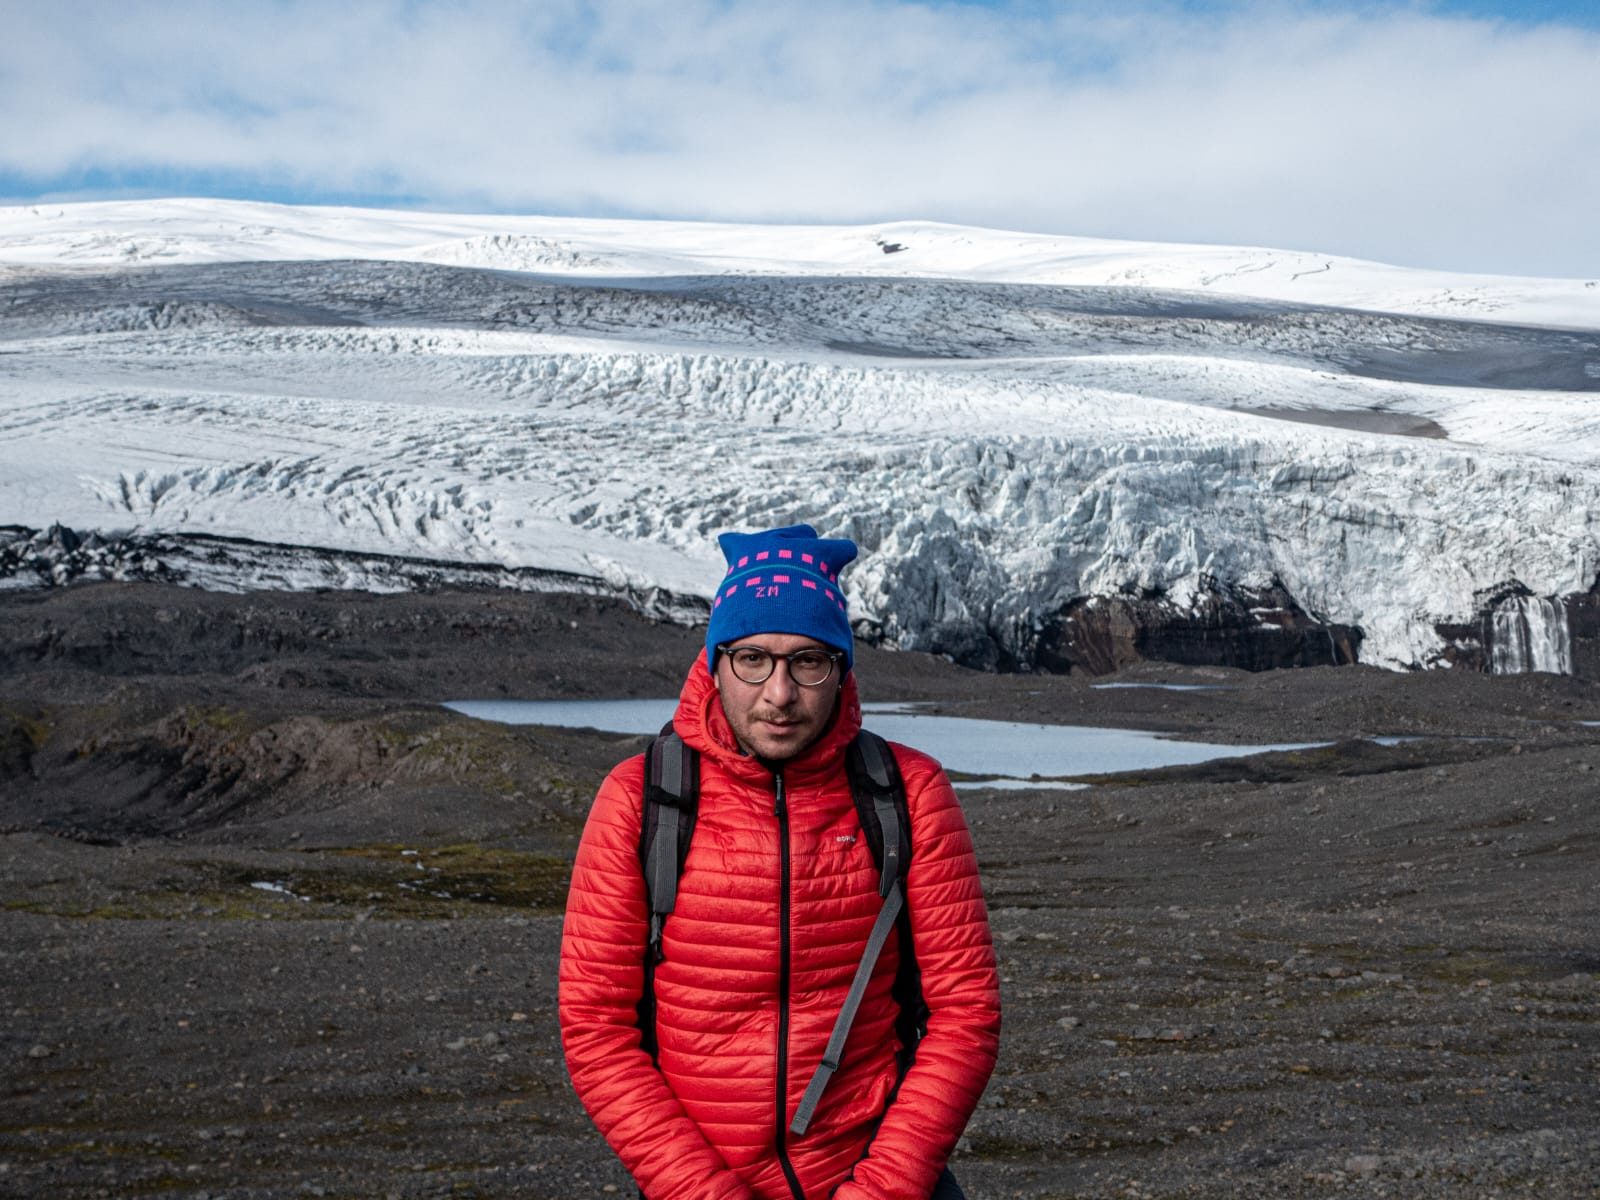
point(1020, 431)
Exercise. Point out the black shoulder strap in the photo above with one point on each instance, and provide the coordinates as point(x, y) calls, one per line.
point(671, 793)
point(880, 792)
point(880, 797)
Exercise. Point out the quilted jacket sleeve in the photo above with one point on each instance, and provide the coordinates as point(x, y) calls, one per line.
point(602, 978)
point(950, 930)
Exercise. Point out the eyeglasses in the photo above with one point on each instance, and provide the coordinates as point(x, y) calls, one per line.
point(808, 668)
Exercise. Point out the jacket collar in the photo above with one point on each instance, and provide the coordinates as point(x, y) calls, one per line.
point(700, 722)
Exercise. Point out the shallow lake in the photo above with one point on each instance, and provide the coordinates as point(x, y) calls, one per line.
point(1166, 687)
point(1001, 750)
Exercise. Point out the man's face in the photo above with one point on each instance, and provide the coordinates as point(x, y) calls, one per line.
point(777, 718)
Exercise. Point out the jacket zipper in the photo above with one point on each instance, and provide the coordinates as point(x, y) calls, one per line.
point(781, 811)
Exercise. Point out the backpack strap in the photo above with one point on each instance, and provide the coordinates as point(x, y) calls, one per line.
point(671, 793)
point(671, 796)
point(880, 798)
point(847, 1014)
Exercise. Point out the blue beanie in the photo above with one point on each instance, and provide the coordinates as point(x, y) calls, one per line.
point(782, 581)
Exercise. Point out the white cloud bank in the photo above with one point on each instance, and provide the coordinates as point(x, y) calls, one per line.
point(1390, 133)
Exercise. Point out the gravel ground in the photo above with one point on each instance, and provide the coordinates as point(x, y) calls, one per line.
point(272, 924)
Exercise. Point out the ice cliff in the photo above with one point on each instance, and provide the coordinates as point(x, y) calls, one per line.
point(1043, 464)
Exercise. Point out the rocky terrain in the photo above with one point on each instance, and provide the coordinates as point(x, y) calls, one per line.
point(274, 924)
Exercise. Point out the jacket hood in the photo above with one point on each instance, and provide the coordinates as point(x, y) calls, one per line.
point(701, 723)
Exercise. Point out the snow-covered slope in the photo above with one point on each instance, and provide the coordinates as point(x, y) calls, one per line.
point(1009, 424)
point(125, 233)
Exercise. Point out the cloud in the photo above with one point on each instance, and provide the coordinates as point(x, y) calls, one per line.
point(1401, 134)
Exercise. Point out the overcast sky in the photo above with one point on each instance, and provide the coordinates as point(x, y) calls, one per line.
point(1459, 134)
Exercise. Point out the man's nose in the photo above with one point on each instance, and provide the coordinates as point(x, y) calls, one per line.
point(781, 687)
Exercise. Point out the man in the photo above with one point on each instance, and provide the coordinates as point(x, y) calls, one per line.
point(774, 905)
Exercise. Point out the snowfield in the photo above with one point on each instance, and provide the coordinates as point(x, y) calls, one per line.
point(1006, 423)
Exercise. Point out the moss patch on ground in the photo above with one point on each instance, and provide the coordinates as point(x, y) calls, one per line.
point(458, 881)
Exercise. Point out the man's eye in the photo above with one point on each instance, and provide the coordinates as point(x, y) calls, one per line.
point(809, 662)
point(749, 658)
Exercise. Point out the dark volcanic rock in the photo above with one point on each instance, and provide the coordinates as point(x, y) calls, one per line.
point(58, 555)
point(1253, 629)
point(1583, 619)
point(464, 644)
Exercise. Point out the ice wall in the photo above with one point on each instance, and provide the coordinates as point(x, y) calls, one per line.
point(1002, 452)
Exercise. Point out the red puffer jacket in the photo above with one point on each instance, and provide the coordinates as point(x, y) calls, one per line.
point(773, 910)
